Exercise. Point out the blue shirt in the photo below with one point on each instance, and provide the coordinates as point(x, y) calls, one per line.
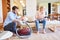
point(10, 17)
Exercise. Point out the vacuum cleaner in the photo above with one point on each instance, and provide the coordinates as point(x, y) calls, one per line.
point(24, 32)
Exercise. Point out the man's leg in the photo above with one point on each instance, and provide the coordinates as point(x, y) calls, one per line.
point(10, 27)
point(37, 24)
point(14, 27)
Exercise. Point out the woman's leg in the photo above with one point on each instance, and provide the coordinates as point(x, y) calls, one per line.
point(37, 24)
point(44, 23)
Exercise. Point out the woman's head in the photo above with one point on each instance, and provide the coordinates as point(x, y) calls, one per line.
point(41, 9)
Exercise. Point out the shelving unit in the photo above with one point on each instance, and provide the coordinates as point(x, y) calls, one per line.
point(5, 8)
point(8, 5)
point(54, 12)
point(54, 8)
point(59, 17)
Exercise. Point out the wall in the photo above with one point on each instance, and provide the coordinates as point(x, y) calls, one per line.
point(1, 17)
point(18, 4)
point(11, 4)
point(46, 7)
point(31, 8)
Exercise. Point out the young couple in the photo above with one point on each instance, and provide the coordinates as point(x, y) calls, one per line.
point(11, 20)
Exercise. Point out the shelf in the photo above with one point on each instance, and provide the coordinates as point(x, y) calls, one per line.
point(8, 0)
point(6, 8)
point(8, 5)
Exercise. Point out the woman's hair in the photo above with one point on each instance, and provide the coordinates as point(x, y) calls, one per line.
point(41, 7)
point(14, 7)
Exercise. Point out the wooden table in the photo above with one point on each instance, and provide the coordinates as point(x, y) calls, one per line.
point(53, 24)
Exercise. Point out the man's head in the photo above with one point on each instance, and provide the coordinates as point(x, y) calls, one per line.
point(41, 9)
point(15, 9)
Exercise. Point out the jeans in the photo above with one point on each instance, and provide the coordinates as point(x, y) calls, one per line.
point(37, 24)
point(11, 27)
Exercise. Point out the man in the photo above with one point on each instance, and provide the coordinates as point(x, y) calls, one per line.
point(11, 20)
point(40, 19)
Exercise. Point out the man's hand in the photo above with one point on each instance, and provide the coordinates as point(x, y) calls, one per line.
point(22, 18)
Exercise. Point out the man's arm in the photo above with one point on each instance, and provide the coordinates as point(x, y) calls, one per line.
point(13, 18)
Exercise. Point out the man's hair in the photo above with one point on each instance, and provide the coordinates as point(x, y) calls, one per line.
point(14, 7)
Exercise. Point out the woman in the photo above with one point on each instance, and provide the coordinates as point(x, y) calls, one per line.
point(40, 19)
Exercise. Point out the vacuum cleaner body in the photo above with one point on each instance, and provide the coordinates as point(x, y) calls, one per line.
point(24, 32)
